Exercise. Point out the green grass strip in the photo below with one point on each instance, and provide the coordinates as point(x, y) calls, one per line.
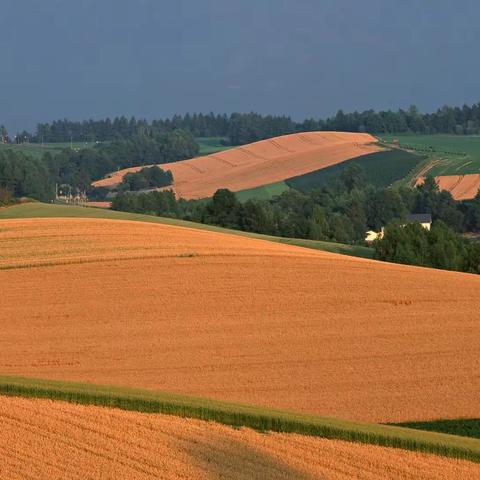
point(238, 415)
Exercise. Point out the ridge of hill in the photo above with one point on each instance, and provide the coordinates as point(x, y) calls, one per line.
point(46, 210)
point(260, 163)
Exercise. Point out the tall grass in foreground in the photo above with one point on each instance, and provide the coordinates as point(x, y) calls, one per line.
point(258, 418)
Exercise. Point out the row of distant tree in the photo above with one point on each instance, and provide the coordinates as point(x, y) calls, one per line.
point(241, 128)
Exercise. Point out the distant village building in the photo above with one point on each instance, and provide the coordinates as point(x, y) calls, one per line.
point(65, 194)
point(371, 235)
point(424, 219)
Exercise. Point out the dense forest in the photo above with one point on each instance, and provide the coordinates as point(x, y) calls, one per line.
point(241, 128)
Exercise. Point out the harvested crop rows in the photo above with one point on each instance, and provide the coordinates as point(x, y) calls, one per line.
point(238, 319)
point(462, 187)
point(260, 163)
point(45, 439)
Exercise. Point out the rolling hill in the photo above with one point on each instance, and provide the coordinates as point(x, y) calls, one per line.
point(260, 163)
point(239, 319)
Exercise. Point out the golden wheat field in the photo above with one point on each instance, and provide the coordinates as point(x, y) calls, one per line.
point(227, 317)
point(259, 163)
point(55, 440)
point(462, 187)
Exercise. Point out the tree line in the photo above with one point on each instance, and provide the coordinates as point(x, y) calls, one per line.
point(242, 128)
point(341, 211)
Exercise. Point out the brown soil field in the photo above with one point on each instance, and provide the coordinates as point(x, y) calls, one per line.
point(99, 204)
point(55, 440)
point(462, 187)
point(260, 163)
point(233, 318)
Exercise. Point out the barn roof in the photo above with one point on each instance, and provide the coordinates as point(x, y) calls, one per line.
point(419, 217)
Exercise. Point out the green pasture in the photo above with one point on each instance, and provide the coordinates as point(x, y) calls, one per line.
point(381, 169)
point(264, 192)
point(456, 154)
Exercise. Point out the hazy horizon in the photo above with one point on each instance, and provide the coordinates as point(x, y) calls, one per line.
point(303, 59)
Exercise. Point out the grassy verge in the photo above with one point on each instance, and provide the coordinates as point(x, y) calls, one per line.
point(44, 210)
point(209, 145)
point(465, 427)
point(237, 415)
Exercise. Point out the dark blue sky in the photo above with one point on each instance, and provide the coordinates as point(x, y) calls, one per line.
point(152, 58)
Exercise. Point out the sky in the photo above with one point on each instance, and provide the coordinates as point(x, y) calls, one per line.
point(80, 59)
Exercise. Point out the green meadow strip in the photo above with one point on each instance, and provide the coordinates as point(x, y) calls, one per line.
point(238, 415)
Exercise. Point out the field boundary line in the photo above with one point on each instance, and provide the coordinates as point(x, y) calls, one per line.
point(240, 415)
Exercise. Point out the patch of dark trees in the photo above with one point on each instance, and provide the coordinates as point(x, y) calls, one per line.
point(440, 247)
point(24, 176)
point(146, 178)
point(80, 168)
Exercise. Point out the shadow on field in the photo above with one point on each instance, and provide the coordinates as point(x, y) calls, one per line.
point(465, 427)
point(221, 457)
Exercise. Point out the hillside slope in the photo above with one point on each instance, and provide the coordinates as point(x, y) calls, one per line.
point(220, 316)
point(260, 163)
point(55, 440)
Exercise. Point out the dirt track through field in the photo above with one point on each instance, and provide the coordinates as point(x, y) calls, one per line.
point(54, 440)
point(239, 319)
point(462, 187)
point(260, 163)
